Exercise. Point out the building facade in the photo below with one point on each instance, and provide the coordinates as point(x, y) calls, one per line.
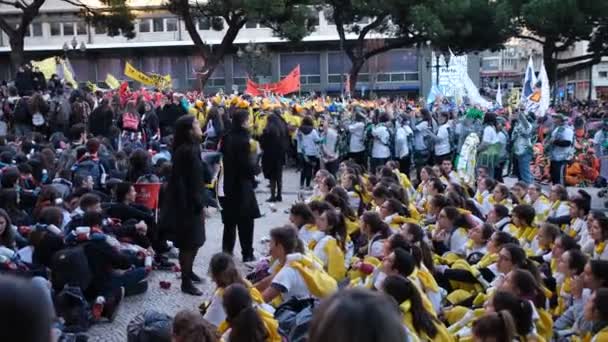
point(163, 46)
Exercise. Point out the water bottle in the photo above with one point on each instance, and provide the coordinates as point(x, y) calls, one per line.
point(98, 307)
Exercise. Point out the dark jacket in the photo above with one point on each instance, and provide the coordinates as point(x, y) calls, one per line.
point(103, 259)
point(100, 122)
point(167, 117)
point(239, 177)
point(181, 210)
point(274, 143)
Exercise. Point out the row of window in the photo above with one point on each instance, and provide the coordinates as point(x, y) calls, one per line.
point(144, 26)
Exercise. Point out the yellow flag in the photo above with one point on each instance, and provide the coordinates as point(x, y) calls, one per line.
point(137, 75)
point(47, 66)
point(112, 82)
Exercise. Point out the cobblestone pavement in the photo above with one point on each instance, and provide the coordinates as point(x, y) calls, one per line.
point(172, 300)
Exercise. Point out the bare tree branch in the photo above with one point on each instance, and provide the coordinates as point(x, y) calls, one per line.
point(534, 39)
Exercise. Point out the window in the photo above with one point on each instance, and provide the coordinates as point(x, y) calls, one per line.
point(157, 23)
point(68, 29)
point(55, 29)
point(81, 28)
point(144, 25)
point(251, 23)
point(203, 24)
point(603, 74)
point(37, 29)
point(171, 24)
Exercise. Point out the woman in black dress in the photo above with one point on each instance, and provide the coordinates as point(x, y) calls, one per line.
point(182, 216)
point(274, 142)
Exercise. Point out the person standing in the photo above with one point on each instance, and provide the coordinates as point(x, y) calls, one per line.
point(600, 139)
point(182, 217)
point(356, 145)
point(403, 148)
point(308, 138)
point(560, 149)
point(522, 146)
point(236, 186)
point(381, 151)
point(329, 148)
point(274, 142)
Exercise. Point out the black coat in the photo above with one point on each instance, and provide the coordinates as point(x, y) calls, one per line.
point(239, 177)
point(181, 211)
point(100, 122)
point(167, 117)
point(274, 142)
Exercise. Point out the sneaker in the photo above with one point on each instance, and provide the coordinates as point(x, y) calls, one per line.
point(110, 309)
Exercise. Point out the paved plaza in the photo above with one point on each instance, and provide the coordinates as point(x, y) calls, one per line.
point(173, 300)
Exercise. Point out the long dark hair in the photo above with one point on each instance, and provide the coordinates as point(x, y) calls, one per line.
point(223, 270)
point(520, 309)
point(335, 221)
point(183, 132)
point(7, 239)
point(402, 289)
point(246, 324)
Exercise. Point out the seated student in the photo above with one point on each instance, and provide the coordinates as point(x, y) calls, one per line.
point(579, 209)
point(394, 213)
point(485, 186)
point(500, 195)
point(380, 194)
point(599, 237)
point(224, 273)
point(596, 310)
point(416, 236)
point(317, 208)
point(448, 237)
point(303, 218)
point(189, 326)
point(333, 250)
point(350, 182)
point(339, 199)
point(539, 201)
point(525, 285)
point(447, 174)
point(420, 323)
point(7, 231)
point(476, 246)
point(520, 311)
point(498, 327)
point(104, 257)
point(125, 208)
point(572, 321)
point(585, 236)
point(244, 320)
point(519, 193)
point(87, 203)
point(422, 190)
point(371, 317)
point(375, 231)
point(571, 265)
point(287, 280)
point(559, 204)
point(522, 227)
point(543, 243)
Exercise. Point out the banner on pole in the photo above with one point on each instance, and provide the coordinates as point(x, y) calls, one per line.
point(289, 84)
point(112, 82)
point(143, 78)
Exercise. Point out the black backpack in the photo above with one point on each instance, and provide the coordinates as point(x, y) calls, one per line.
point(71, 268)
point(90, 167)
point(74, 309)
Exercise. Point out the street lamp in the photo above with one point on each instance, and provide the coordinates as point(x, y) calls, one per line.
point(250, 54)
point(438, 65)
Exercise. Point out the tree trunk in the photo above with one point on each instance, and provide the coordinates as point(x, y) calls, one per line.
point(211, 64)
point(17, 52)
point(353, 74)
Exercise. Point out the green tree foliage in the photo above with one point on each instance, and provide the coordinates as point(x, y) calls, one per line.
point(288, 19)
point(558, 24)
point(113, 14)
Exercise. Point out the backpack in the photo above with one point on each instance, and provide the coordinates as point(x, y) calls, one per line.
point(130, 121)
point(21, 113)
point(294, 317)
point(72, 306)
point(90, 167)
point(149, 326)
point(71, 268)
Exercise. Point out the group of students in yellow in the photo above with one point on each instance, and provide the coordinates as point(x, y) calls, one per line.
point(461, 264)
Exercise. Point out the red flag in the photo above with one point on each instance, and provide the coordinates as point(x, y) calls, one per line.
point(252, 88)
point(291, 82)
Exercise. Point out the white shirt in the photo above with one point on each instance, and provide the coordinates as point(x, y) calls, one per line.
point(309, 235)
point(330, 145)
point(421, 131)
point(291, 280)
point(489, 135)
point(442, 144)
point(356, 137)
point(402, 147)
point(380, 148)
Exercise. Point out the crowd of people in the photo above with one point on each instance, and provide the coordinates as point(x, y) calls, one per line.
point(404, 228)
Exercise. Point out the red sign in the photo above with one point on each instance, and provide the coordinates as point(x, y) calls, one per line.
point(147, 194)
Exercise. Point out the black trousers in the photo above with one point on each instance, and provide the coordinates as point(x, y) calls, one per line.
point(359, 158)
point(558, 171)
point(245, 228)
point(308, 169)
